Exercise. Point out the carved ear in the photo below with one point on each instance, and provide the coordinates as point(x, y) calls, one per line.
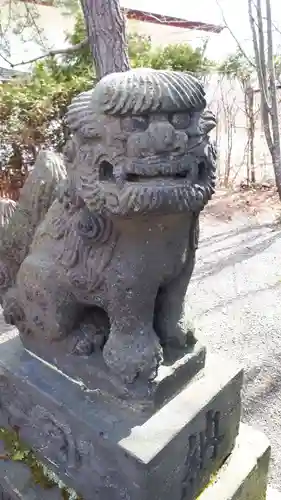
point(207, 122)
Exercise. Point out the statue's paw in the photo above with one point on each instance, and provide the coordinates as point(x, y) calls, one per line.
point(133, 356)
point(88, 339)
point(82, 346)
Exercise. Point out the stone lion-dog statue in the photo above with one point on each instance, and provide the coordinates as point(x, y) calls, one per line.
point(111, 262)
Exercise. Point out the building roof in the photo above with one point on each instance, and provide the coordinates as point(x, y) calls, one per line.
point(171, 21)
point(158, 14)
point(7, 73)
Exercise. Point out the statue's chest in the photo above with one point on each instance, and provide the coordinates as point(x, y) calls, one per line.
point(156, 246)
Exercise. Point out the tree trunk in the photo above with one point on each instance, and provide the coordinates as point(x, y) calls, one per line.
point(246, 107)
point(269, 107)
point(250, 97)
point(105, 27)
point(276, 152)
point(261, 72)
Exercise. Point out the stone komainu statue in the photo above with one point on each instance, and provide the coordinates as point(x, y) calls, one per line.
point(121, 238)
point(36, 197)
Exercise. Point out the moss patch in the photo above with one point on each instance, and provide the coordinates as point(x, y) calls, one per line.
point(17, 451)
point(212, 480)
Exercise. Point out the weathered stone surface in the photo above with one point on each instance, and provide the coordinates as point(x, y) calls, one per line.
point(244, 475)
point(109, 266)
point(176, 371)
point(36, 197)
point(106, 450)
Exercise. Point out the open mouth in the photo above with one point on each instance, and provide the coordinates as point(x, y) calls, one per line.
point(106, 171)
point(143, 172)
point(143, 178)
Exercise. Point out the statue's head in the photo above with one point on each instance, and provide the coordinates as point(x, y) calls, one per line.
point(140, 143)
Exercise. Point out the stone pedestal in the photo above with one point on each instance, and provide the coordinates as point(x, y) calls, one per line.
point(244, 474)
point(178, 368)
point(242, 477)
point(105, 449)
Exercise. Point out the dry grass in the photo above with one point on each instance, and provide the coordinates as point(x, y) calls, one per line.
point(227, 204)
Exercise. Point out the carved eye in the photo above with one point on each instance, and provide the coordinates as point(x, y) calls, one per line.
point(140, 122)
point(135, 123)
point(180, 121)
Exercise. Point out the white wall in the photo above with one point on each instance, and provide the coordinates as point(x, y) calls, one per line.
point(226, 99)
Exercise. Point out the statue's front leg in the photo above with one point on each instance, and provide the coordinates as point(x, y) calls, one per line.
point(132, 349)
point(170, 321)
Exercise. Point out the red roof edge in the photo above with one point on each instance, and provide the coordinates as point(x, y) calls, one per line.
point(149, 17)
point(171, 21)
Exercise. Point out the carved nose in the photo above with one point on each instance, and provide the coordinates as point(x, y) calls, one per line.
point(163, 137)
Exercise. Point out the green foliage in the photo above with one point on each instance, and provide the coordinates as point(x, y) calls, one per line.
point(277, 64)
point(180, 57)
point(81, 60)
point(237, 66)
point(32, 109)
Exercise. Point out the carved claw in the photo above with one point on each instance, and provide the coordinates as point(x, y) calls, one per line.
point(88, 339)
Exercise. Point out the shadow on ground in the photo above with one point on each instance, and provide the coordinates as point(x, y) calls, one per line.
point(239, 252)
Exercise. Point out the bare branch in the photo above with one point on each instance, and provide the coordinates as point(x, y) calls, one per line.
point(68, 50)
point(35, 25)
point(234, 37)
point(5, 59)
point(261, 52)
point(262, 83)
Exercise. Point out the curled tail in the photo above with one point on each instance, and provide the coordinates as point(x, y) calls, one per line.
point(36, 197)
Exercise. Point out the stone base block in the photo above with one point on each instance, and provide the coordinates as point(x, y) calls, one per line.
point(244, 474)
point(106, 450)
point(91, 372)
point(178, 368)
point(242, 477)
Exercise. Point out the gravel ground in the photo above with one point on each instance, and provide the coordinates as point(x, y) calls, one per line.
point(235, 301)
